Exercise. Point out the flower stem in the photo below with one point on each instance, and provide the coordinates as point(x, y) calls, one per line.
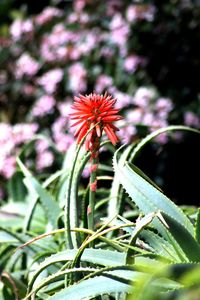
point(92, 194)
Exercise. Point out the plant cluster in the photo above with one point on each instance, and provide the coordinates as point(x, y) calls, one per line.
point(138, 244)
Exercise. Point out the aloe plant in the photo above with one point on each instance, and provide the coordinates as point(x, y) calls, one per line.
point(48, 252)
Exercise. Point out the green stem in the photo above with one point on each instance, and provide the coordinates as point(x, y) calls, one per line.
point(92, 194)
point(68, 236)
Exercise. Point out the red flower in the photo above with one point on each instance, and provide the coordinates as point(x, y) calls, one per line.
point(96, 111)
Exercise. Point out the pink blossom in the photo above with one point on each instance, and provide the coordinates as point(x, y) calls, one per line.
point(60, 35)
point(59, 126)
point(5, 132)
point(26, 65)
point(75, 17)
point(41, 145)
point(163, 107)
point(65, 108)
point(88, 43)
point(72, 18)
point(62, 140)
point(131, 63)
point(19, 27)
point(79, 5)
point(23, 132)
point(148, 118)
point(140, 12)
point(191, 119)
point(123, 99)
point(8, 168)
point(77, 77)
point(158, 123)
point(103, 82)
point(162, 138)
point(7, 147)
point(61, 53)
point(51, 51)
point(164, 104)
point(119, 31)
point(143, 96)
point(107, 52)
point(44, 105)
point(44, 160)
point(47, 52)
point(10, 138)
point(47, 15)
point(86, 172)
point(131, 13)
point(127, 132)
point(135, 115)
point(54, 45)
point(50, 80)
point(27, 26)
point(7, 143)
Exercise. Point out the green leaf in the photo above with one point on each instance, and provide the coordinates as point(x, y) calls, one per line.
point(121, 274)
point(13, 283)
point(146, 196)
point(160, 245)
point(115, 192)
point(191, 277)
point(12, 214)
point(95, 256)
point(74, 163)
point(5, 237)
point(16, 188)
point(50, 206)
point(186, 241)
point(33, 201)
point(91, 288)
point(140, 225)
point(197, 227)
point(72, 184)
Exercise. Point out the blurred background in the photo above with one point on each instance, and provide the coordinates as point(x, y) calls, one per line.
point(145, 53)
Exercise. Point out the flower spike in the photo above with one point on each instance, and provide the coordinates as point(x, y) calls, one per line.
point(95, 109)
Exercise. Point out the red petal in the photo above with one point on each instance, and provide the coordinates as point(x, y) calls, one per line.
point(82, 133)
point(80, 106)
point(98, 130)
point(113, 127)
point(76, 113)
point(88, 140)
point(78, 122)
point(78, 130)
point(92, 118)
point(108, 104)
point(85, 100)
point(109, 112)
point(81, 116)
point(111, 135)
point(111, 118)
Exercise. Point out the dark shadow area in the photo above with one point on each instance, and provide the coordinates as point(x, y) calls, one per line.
point(175, 168)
